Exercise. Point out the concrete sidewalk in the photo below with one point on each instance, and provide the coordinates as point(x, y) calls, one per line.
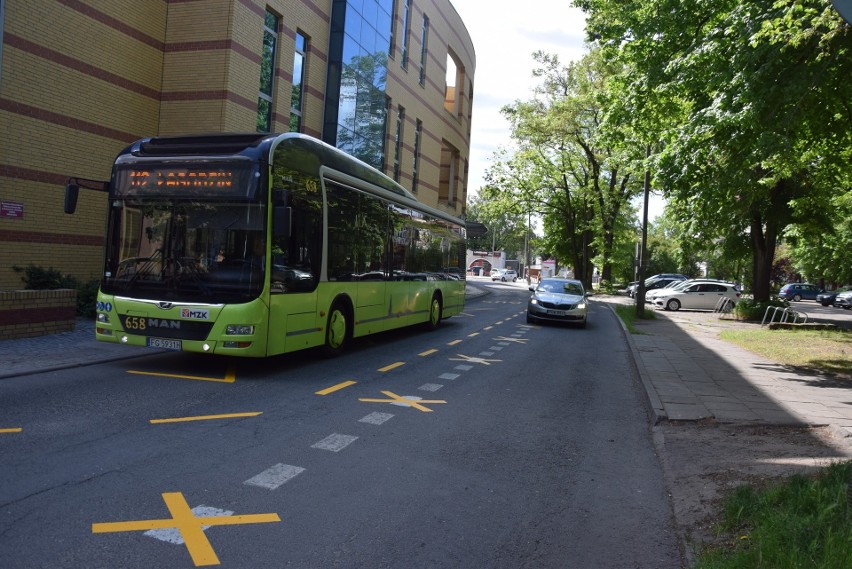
point(690, 374)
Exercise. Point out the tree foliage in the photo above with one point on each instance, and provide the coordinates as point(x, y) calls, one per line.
point(757, 103)
point(568, 168)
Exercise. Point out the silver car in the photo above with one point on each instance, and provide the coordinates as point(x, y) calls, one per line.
point(558, 300)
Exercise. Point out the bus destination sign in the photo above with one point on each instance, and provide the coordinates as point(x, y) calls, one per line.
point(186, 180)
point(162, 179)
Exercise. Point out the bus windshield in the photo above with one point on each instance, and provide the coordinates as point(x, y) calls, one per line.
point(185, 250)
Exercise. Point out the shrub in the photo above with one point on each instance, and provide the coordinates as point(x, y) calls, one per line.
point(87, 297)
point(39, 278)
point(748, 309)
point(606, 287)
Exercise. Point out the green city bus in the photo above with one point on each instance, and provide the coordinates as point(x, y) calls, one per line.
point(262, 244)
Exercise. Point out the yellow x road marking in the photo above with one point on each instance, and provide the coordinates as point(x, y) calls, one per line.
point(190, 527)
point(473, 360)
point(518, 340)
point(394, 398)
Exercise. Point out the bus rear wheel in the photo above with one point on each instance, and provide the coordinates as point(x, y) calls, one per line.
point(434, 313)
point(337, 330)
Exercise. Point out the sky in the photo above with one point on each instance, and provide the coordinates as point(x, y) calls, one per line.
point(505, 34)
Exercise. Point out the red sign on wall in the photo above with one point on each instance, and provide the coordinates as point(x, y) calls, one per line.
point(11, 209)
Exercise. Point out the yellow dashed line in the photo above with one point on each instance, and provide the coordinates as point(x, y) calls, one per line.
point(229, 377)
point(427, 352)
point(205, 417)
point(337, 387)
point(454, 342)
point(392, 366)
point(12, 430)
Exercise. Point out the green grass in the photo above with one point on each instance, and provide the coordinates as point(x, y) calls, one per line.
point(822, 350)
point(627, 313)
point(804, 522)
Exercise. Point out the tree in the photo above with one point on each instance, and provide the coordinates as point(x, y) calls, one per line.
point(762, 102)
point(568, 167)
point(506, 223)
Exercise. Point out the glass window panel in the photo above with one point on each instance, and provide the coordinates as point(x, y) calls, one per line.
point(383, 27)
point(357, 5)
point(368, 38)
point(296, 97)
point(267, 63)
point(270, 20)
point(264, 115)
point(353, 22)
point(370, 11)
point(350, 50)
point(386, 6)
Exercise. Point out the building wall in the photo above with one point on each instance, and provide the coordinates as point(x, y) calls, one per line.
point(79, 81)
point(442, 129)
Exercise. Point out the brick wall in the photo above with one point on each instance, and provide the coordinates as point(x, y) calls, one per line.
point(69, 106)
point(28, 313)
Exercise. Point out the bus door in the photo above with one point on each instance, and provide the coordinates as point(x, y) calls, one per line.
point(294, 270)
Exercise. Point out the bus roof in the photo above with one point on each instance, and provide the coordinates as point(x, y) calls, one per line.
point(259, 146)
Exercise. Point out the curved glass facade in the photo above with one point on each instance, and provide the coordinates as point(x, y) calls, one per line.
point(356, 103)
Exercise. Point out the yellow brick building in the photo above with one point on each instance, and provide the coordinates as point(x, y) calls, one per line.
point(82, 79)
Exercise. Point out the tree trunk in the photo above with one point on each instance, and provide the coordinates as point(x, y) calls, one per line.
point(763, 240)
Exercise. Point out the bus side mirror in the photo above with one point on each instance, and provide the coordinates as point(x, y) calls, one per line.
point(281, 221)
point(72, 190)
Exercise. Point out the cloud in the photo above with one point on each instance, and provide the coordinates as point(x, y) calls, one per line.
point(505, 37)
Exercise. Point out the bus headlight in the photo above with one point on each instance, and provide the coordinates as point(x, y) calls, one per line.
point(239, 330)
point(103, 317)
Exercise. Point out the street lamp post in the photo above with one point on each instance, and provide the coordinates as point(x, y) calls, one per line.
point(643, 257)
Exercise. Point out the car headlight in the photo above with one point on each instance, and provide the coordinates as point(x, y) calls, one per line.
point(239, 330)
point(533, 301)
point(581, 306)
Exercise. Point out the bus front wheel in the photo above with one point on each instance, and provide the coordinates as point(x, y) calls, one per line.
point(337, 330)
point(434, 313)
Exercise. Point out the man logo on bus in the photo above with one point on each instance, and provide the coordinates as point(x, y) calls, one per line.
point(195, 314)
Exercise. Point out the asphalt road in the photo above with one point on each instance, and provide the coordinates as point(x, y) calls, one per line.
point(487, 443)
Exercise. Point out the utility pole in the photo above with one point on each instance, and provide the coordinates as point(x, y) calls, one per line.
point(643, 258)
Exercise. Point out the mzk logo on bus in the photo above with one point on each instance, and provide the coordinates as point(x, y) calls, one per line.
point(194, 314)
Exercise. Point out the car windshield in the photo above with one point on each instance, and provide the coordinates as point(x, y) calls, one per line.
point(561, 287)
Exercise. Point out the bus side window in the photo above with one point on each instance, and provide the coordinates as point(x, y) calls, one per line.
point(296, 253)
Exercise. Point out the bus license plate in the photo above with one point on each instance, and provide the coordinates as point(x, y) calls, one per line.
point(556, 313)
point(164, 343)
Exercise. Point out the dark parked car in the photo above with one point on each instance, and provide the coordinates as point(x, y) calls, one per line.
point(799, 291)
point(657, 281)
point(827, 298)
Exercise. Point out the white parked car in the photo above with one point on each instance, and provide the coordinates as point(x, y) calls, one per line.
point(698, 295)
point(672, 286)
point(504, 275)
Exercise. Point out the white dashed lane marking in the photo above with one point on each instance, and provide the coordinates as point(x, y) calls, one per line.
point(275, 476)
point(335, 442)
point(376, 418)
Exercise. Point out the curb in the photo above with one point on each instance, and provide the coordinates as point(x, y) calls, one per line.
point(654, 405)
